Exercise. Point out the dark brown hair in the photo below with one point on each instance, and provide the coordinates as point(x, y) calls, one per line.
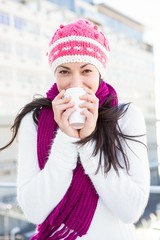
point(107, 133)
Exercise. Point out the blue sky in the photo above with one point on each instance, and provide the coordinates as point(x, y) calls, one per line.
point(145, 11)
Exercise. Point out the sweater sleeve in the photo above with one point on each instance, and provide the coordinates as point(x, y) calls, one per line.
point(39, 191)
point(125, 195)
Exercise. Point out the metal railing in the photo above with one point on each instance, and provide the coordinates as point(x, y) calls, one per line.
point(5, 209)
point(153, 189)
point(8, 185)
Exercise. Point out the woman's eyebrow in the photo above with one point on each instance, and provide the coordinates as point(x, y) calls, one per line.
point(85, 65)
point(63, 67)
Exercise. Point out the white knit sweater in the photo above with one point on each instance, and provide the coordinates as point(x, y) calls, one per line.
point(122, 199)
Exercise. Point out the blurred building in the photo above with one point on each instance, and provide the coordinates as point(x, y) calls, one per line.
point(25, 29)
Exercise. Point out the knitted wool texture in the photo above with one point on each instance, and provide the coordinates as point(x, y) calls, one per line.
point(73, 215)
point(80, 41)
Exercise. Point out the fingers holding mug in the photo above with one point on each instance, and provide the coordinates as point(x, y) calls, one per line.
point(60, 104)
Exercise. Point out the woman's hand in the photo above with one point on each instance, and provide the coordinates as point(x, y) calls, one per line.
point(63, 108)
point(91, 113)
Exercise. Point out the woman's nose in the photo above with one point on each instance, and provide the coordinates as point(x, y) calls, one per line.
point(77, 81)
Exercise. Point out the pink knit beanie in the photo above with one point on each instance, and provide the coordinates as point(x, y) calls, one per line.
point(80, 41)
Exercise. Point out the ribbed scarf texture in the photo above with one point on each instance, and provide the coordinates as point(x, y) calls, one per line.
point(74, 213)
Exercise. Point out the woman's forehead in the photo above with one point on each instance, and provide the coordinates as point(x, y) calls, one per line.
point(75, 64)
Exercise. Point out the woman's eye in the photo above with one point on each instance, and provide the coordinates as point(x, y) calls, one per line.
point(63, 72)
point(87, 71)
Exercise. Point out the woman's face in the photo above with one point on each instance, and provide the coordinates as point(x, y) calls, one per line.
point(77, 75)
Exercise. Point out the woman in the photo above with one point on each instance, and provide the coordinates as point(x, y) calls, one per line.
point(91, 183)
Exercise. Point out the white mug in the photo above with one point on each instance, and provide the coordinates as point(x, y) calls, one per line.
point(76, 119)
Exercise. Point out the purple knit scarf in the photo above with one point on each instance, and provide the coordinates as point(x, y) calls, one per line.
point(73, 215)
